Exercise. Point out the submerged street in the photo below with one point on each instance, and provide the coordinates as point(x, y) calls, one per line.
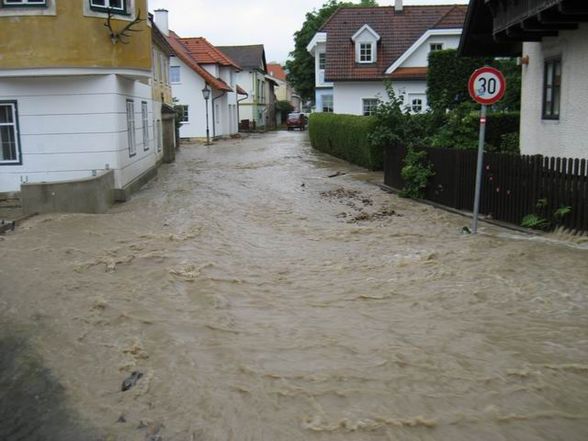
point(262, 299)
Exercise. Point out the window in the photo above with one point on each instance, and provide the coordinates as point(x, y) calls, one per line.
point(184, 111)
point(322, 60)
point(174, 74)
point(165, 69)
point(366, 53)
point(552, 89)
point(9, 142)
point(416, 105)
point(115, 6)
point(436, 47)
point(24, 2)
point(155, 72)
point(369, 106)
point(131, 127)
point(145, 115)
point(327, 103)
point(158, 131)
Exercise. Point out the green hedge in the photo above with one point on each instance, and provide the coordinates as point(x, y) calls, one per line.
point(346, 137)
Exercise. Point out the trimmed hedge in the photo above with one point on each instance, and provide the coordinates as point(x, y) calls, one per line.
point(346, 137)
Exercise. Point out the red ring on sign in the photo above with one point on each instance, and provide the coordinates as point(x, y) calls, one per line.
point(501, 81)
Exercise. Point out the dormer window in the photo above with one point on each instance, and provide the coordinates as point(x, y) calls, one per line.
point(24, 2)
point(322, 60)
point(366, 53)
point(366, 43)
point(115, 6)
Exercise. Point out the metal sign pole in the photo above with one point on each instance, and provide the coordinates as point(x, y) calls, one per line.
point(479, 168)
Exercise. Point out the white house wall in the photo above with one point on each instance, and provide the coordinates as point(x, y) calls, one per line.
point(72, 125)
point(348, 96)
point(565, 137)
point(188, 92)
point(420, 57)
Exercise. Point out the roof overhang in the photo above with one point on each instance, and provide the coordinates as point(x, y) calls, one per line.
point(496, 28)
point(319, 37)
point(411, 50)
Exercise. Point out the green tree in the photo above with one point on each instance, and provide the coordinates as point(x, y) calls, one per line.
point(300, 67)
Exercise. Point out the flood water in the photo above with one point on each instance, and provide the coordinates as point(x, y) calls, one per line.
point(263, 300)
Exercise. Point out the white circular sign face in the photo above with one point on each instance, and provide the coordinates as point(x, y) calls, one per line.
point(487, 85)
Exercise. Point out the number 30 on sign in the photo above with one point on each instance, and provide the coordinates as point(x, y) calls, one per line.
point(487, 85)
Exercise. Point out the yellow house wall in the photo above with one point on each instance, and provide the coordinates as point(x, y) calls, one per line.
point(70, 39)
point(159, 85)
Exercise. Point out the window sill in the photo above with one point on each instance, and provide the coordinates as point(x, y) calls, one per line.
point(24, 10)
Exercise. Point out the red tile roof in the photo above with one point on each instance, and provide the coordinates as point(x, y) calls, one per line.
point(276, 71)
point(182, 53)
point(398, 32)
point(205, 53)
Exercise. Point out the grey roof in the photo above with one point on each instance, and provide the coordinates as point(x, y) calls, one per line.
point(248, 57)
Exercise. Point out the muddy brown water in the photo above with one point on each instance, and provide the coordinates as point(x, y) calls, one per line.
point(263, 300)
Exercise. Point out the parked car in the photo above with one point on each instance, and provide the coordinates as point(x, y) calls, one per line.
point(296, 121)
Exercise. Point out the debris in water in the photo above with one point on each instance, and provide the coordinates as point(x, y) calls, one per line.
point(339, 173)
point(121, 418)
point(466, 230)
point(130, 381)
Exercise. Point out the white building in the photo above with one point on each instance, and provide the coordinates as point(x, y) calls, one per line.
point(197, 65)
point(74, 108)
point(554, 58)
point(358, 49)
point(257, 106)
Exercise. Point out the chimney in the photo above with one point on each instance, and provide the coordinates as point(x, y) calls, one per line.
point(161, 21)
point(398, 6)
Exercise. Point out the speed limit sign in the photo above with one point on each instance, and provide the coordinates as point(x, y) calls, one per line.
point(487, 85)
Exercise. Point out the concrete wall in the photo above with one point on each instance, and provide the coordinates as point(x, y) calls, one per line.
point(87, 195)
point(348, 96)
point(71, 125)
point(565, 137)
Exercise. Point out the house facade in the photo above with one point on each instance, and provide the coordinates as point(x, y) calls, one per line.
point(72, 108)
point(257, 107)
point(163, 112)
point(358, 49)
point(195, 66)
point(551, 37)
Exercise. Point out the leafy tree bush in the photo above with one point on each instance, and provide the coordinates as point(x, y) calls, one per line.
point(416, 173)
point(346, 137)
point(284, 107)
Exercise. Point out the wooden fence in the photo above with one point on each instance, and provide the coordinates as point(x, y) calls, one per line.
point(512, 186)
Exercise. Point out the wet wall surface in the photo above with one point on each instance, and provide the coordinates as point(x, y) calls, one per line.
point(261, 299)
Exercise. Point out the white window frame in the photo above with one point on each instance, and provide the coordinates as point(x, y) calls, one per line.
point(145, 127)
point(366, 44)
point(107, 7)
point(322, 60)
point(15, 133)
point(176, 69)
point(434, 47)
point(371, 104)
point(185, 113)
point(131, 127)
point(23, 3)
point(332, 104)
point(413, 105)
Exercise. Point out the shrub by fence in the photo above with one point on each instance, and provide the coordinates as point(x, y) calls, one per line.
point(346, 137)
point(512, 186)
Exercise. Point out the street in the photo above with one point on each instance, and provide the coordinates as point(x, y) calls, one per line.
point(269, 292)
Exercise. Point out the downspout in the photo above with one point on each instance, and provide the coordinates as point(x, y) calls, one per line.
point(213, 115)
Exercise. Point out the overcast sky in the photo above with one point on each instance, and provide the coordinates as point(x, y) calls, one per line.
point(237, 22)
